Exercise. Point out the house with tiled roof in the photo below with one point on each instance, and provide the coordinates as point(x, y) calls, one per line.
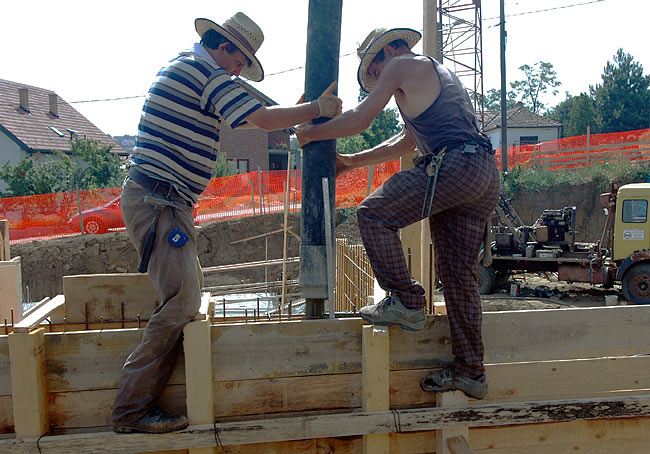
point(35, 121)
point(524, 127)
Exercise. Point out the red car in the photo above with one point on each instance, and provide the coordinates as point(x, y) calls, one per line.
point(100, 219)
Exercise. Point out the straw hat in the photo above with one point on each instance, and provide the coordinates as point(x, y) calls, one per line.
point(373, 44)
point(243, 33)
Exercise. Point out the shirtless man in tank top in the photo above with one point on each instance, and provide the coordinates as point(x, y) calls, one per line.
point(455, 183)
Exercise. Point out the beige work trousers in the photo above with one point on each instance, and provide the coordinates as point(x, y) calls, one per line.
point(173, 272)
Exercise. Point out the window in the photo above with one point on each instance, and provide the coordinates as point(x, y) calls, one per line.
point(528, 140)
point(635, 211)
point(56, 131)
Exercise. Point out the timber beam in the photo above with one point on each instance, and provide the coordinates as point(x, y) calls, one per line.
point(337, 425)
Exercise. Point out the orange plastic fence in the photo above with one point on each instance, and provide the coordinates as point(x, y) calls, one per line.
point(254, 193)
point(55, 215)
point(581, 151)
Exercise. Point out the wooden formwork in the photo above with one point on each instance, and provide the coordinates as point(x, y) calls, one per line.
point(561, 381)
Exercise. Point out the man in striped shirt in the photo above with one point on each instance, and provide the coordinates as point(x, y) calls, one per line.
point(192, 98)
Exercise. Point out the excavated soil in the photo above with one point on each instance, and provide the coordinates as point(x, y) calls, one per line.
point(44, 263)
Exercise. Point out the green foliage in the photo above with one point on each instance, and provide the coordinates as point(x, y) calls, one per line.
point(623, 99)
point(531, 179)
point(576, 113)
point(493, 99)
point(539, 79)
point(89, 165)
point(222, 167)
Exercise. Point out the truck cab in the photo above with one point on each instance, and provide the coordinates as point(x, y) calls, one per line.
point(632, 226)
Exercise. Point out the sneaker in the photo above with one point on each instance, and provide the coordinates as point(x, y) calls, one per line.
point(391, 311)
point(448, 380)
point(154, 421)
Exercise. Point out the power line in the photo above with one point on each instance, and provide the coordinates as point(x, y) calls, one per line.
point(107, 99)
point(352, 53)
point(547, 9)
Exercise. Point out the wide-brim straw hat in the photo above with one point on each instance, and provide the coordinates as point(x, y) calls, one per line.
point(373, 44)
point(243, 33)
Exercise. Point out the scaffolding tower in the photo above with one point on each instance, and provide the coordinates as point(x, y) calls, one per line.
point(461, 45)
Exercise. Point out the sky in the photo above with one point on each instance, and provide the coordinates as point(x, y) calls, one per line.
point(92, 50)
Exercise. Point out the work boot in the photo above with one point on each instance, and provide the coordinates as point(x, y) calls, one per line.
point(391, 311)
point(154, 421)
point(448, 380)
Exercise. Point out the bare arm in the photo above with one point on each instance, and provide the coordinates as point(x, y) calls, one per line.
point(393, 148)
point(358, 119)
point(277, 117)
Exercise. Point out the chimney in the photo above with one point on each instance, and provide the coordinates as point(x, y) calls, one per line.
point(54, 104)
point(24, 99)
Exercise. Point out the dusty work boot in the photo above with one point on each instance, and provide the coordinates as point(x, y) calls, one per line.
point(391, 311)
point(448, 380)
point(154, 421)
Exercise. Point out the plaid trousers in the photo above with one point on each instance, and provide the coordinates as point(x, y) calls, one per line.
point(466, 192)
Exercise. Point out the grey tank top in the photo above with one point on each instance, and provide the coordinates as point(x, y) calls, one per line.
point(450, 120)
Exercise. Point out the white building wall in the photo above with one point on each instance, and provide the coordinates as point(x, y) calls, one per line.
point(10, 153)
point(515, 135)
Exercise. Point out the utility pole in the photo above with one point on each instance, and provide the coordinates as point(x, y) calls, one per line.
point(321, 69)
point(504, 106)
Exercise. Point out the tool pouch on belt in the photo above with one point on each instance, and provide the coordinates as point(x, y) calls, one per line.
point(432, 164)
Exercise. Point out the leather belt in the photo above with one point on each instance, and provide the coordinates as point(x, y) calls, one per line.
point(155, 185)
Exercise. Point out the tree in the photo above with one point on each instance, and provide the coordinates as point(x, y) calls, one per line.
point(384, 126)
point(222, 167)
point(88, 165)
point(623, 99)
point(493, 100)
point(539, 78)
point(576, 113)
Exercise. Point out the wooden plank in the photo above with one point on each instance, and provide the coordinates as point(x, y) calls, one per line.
point(507, 383)
point(119, 296)
point(375, 383)
point(28, 385)
point(11, 290)
point(349, 424)
point(5, 367)
point(92, 409)
point(453, 399)
point(5, 245)
point(458, 445)
point(86, 360)
point(311, 347)
point(34, 319)
point(198, 373)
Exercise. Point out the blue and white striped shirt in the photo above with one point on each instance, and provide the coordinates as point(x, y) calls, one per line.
point(178, 135)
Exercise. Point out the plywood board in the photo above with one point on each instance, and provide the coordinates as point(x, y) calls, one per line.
point(111, 296)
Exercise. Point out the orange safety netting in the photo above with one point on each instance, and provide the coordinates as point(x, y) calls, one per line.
point(54, 215)
point(254, 193)
point(580, 151)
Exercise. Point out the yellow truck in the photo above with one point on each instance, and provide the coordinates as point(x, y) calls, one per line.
point(622, 255)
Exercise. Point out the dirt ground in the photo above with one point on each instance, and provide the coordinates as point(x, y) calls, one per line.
point(44, 263)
